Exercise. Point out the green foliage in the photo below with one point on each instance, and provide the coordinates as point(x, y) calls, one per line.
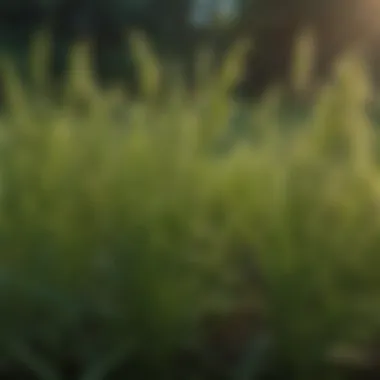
point(119, 220)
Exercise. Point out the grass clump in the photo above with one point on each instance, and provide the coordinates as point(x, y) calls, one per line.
point(123, 224)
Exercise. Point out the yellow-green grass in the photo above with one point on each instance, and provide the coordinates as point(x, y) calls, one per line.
point(124, 210)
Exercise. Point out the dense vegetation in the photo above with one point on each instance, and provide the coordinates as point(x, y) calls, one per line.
point(153, 239)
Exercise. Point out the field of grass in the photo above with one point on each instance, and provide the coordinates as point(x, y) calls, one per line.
point(126, 225)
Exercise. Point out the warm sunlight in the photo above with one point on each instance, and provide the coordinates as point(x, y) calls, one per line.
point(368, 13)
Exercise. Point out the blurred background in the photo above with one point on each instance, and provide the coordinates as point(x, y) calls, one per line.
point(178, 28)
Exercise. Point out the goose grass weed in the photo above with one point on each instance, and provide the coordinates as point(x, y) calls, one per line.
point(131, 220)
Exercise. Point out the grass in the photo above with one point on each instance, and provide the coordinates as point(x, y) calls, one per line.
point(123, 224)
